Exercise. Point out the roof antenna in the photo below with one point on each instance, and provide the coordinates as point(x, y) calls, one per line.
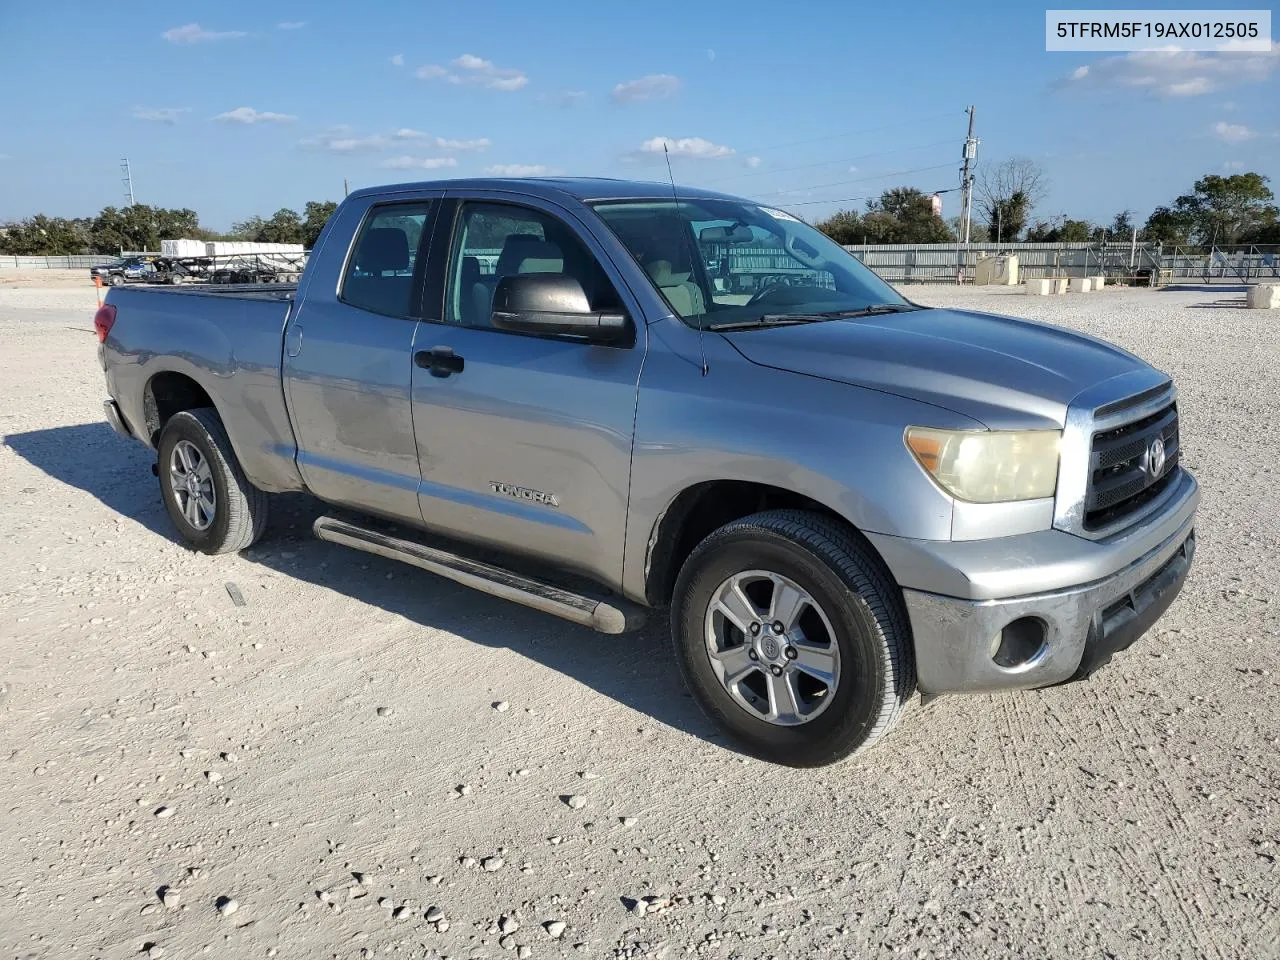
point(702, 350)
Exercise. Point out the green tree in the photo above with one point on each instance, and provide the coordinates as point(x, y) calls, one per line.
point(285, 226)
point(1007, 217)
point(1064, 231)
point(843, 226)
point(1224, 209)
point(44, 236)
point(314, 216)
point(914, 219)
point(142, 227)
point(1168, 226)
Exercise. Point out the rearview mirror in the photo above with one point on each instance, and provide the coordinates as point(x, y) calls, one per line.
point(553, 303)
point(735, 234)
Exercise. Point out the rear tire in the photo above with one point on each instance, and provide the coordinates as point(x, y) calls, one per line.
point(844, 665)
point(210, 501)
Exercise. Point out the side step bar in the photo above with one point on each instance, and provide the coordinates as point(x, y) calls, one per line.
point(608, 616)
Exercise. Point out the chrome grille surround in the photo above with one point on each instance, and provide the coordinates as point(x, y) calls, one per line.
point(1110, 405)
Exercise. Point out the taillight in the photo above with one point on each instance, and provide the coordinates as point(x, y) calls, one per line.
point(103, 320)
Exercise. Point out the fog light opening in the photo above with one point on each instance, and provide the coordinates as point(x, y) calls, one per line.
point(1019, 643)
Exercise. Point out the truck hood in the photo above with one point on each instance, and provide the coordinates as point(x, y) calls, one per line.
point(1004, 372)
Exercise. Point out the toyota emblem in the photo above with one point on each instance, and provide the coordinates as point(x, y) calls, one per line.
point(1155, 458)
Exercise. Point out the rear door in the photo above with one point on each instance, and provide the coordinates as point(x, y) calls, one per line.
point(349, 356)
point(524, 442)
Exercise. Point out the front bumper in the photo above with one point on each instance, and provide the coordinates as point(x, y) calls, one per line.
point(1128, 584)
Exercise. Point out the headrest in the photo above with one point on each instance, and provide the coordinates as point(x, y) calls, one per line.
point(661, 273)
point(525, 253)
point(470, 270)
point(383, 249)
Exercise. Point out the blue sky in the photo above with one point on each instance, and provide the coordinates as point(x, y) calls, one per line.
point(239, 108)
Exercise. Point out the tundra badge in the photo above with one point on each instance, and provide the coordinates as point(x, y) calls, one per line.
point(524, 493)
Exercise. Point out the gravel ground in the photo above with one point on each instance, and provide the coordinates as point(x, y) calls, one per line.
point(308, 752)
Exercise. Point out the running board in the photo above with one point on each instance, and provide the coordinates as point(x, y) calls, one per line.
point(607, 616)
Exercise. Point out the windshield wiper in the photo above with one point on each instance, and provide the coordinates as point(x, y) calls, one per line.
point(769, 320)
point(872, 310)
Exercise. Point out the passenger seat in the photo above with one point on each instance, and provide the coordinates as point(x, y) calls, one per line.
point(683, 294)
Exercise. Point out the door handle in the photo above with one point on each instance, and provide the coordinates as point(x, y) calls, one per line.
point(293, 342)
point(440, 361)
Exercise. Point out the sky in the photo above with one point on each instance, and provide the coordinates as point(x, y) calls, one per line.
point(239, 108)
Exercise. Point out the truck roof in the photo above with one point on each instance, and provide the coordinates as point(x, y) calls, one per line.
point(580, 188)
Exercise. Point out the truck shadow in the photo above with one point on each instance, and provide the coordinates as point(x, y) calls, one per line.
point(635, 669)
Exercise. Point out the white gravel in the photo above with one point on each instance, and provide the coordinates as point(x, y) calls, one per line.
point(1135, 815)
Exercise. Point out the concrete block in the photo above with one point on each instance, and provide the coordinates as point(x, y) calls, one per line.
point(1081, 284)
point(1264, 296)
point(1038, 288)
point(1099, 282)
point(1060, 285)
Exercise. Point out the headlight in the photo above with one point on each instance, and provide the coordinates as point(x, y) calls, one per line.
point(989, 466)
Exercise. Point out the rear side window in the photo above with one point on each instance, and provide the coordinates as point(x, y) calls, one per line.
point(381, 271)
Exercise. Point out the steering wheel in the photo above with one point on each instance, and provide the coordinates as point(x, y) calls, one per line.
point(760, 296)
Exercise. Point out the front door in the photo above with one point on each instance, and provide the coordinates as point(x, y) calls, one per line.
point(524, 442)
point(349, 359)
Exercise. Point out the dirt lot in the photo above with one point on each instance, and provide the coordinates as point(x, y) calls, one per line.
point(330, 757)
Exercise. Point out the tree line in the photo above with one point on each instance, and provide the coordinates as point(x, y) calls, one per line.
point(142, 227)
point(1217, 210)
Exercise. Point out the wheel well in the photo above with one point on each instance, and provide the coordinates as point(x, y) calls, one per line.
point(169, 393)
point(699, 511)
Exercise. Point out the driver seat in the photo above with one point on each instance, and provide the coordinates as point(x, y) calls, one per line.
point(683, 294)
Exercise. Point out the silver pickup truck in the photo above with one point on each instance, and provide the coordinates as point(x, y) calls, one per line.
point(595, 397)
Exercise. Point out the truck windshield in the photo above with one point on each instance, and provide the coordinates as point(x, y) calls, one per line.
point(728, 262)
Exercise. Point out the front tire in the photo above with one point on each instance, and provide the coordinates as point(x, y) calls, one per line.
point(830, 680)
point(210, 501)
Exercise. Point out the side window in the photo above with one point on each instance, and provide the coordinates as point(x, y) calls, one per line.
point(380, 273)
point(494, 240)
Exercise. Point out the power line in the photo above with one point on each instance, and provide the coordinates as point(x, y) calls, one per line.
point(823, 163)
point(874, 196)
point(839, 183)
point(835, 136)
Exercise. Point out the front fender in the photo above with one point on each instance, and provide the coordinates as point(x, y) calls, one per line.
point(836, 444)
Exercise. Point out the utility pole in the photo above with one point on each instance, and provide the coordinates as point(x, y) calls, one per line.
point(127, 180)
point(346, 188)
point(970, 152)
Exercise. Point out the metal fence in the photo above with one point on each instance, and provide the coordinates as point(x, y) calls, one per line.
point(1239, 264)
point(957, 262)
point(76, 262)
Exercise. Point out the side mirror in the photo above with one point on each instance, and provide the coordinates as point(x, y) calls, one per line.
point(553, 303)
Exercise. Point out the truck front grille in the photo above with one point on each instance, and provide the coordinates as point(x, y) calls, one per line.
point(1122, 474)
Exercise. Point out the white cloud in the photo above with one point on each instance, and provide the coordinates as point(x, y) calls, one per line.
point(653, 87)
point(160, 114)
point(471, 69)
point(291, 25)
point(342, 139)
point(479, 143)
point(398, 60)
point(1232, 132)
point(194, 33)
point(695, 148)
point(1233, 165)
point(518, 170)
point(563, 98)
point(711, 54)
point(419, 163)
point(752, 162)
point(250, 115)
point(1175, 73)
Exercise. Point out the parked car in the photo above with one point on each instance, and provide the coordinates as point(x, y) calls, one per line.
point(124, 270)
point(839, 496)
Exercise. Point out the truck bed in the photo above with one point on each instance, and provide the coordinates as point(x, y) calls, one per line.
point(237, 291)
